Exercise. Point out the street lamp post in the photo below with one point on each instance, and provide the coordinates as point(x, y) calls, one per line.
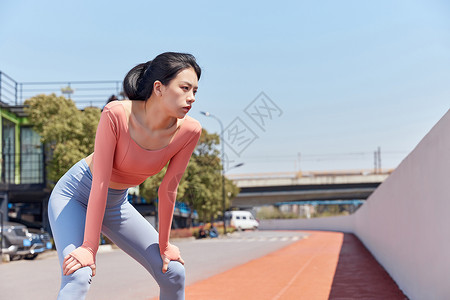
point(223, 167)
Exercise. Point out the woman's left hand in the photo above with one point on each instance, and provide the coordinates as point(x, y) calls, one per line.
point(78, 258)
point(171, 253)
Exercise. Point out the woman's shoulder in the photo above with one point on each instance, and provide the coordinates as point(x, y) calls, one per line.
point(116, 106)
point(118, 110)
point(193, 125)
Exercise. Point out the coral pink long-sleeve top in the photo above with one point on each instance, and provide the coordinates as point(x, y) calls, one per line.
point(118, 158)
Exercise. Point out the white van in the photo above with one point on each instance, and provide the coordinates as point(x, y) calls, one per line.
point(241, 220)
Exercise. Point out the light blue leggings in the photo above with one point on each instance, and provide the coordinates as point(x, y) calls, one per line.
point(122, 224)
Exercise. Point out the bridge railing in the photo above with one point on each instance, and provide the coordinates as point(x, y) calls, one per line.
point(295, 175)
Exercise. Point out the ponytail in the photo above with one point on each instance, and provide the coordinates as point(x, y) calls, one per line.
point(132, 80)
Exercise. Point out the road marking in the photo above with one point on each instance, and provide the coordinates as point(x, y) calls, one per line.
point(281, 292)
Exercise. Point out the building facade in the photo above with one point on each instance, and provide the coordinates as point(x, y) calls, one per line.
point(23, 192)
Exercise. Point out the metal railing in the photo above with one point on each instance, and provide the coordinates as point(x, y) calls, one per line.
point(24, 168)
point(8, 89)
point(83, 93)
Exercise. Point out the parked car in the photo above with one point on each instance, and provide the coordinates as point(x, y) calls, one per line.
point(15, 240)
point(40, 242)
point(241, 220)
point(39, 238)
point(21, 242)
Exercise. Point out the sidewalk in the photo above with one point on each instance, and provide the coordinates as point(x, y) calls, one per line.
point(326, 265)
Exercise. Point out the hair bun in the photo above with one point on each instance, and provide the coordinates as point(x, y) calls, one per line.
point(145, 68)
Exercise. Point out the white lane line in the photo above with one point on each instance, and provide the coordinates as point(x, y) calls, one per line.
point(277, 296)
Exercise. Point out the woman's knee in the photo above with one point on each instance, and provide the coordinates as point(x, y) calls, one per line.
point(78, 282)
point(174, 277)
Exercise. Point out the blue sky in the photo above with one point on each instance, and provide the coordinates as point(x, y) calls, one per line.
point(347, 76)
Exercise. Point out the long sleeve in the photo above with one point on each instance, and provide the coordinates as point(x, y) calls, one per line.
point(105, 145)
point(167, 191)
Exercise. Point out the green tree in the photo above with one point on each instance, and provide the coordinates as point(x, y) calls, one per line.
point(203, 185)
point(67, 132)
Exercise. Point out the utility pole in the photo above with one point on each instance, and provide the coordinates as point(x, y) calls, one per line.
point(377, 160)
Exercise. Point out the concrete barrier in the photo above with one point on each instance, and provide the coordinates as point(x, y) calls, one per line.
point(405, 223)
point(341, 223)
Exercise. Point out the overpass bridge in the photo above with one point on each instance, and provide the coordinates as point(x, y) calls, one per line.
point(270, 188)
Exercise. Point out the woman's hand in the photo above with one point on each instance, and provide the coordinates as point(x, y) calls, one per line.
point(78, 258)
point(171, 253)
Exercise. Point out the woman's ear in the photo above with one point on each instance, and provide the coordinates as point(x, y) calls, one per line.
point(158, 87)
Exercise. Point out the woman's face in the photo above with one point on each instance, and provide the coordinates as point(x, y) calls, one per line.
point(179, 94)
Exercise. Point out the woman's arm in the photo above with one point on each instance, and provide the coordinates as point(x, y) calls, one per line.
point(105, 144)
point(167, 194)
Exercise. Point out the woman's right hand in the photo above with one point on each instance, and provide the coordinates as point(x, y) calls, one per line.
point(172, 252)
point(78, 258)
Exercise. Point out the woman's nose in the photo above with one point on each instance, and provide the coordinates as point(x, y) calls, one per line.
point(191, 98)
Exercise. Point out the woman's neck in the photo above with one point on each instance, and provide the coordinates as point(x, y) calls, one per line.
point(151, 115)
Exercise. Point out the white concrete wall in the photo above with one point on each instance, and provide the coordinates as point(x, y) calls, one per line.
point(405, 223)
point(341, 223)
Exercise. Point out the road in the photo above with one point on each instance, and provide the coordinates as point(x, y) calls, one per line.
point(120, 277)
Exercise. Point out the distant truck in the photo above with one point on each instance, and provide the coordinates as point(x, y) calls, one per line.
point(241, 220)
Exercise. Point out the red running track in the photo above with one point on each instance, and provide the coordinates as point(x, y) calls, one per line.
point(325, 265)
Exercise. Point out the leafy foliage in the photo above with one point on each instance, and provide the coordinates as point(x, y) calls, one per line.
point(67, 132)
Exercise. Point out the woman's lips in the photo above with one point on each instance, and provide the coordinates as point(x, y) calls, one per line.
point(186, 108)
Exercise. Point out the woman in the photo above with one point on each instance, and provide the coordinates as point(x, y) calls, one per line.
point(135, 139)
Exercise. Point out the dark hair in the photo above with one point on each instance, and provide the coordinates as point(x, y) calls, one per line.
point(138, 83)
